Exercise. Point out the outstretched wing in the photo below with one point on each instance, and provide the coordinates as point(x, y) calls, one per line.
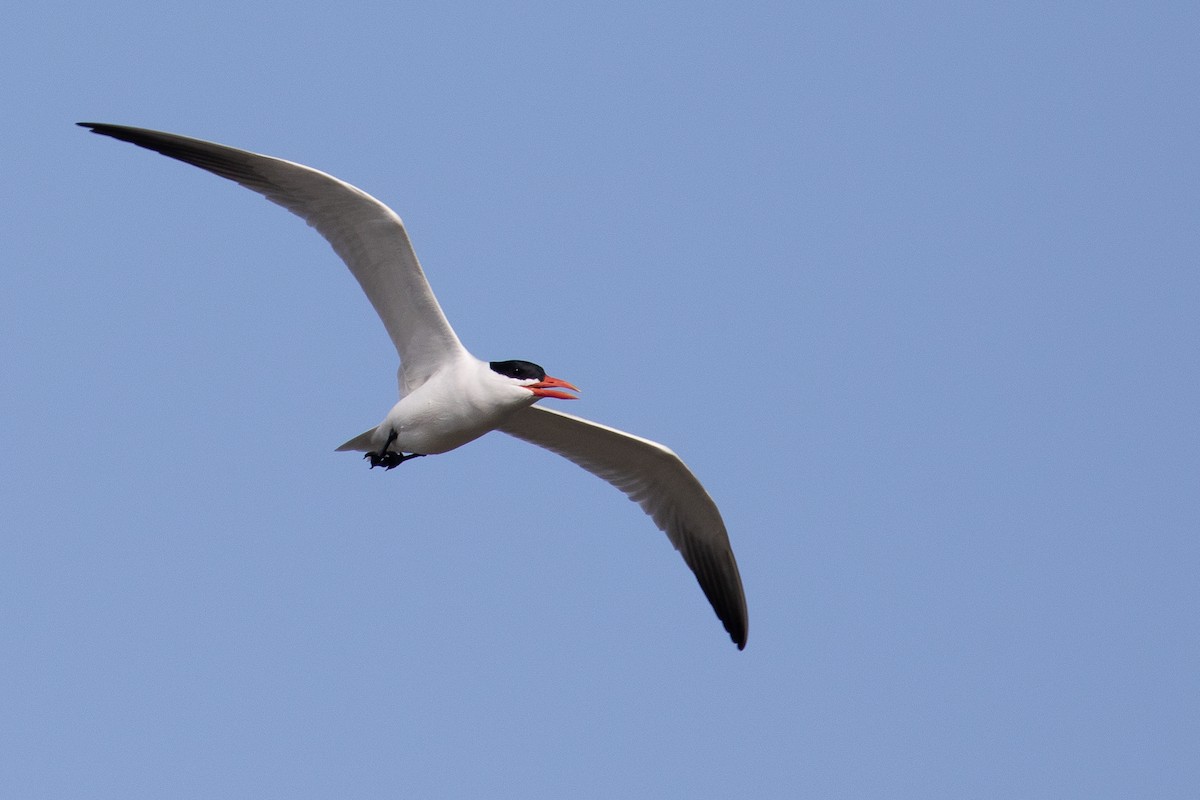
point(656, 479)
point(367, 235)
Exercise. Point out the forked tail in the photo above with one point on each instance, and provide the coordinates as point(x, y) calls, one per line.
point(361, 443)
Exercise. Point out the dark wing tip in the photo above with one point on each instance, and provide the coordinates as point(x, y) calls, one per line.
point(228, 162)
point(717, 574)
point(102, 128)
point(733, 616)
point(737, 632)
point(731, 610)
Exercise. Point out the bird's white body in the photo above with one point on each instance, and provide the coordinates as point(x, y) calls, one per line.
point(447, 396)
point(454, 406)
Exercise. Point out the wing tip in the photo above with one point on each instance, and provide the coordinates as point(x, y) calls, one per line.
point(739, 632)
point(721, 582)
point(124, 133)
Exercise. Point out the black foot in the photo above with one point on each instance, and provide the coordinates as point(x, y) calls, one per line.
point(386, 459)
point(390, 459)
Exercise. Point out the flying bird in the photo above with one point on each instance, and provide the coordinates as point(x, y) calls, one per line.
point(449, 397)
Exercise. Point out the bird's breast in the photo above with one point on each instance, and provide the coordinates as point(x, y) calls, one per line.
point(444, 414)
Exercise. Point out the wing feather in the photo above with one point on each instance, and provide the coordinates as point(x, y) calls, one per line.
point(367, 235)
point(652, 476)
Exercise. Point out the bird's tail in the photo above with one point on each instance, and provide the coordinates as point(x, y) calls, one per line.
point(362, 442)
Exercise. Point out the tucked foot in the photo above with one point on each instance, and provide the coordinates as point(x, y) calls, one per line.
point(384, 458)
point(390, 459)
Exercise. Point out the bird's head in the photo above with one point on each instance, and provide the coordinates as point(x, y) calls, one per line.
point(530, 376)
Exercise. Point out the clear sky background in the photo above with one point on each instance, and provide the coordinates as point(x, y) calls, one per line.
point(913, 288)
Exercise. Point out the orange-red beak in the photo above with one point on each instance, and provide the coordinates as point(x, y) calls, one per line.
point(543, 388)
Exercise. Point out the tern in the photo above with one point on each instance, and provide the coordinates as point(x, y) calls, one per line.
point(447, 396)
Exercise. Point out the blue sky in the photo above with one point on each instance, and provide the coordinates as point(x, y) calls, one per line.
point(912, 289)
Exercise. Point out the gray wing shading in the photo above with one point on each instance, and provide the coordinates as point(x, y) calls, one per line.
point(656, 479)
point(367, 235)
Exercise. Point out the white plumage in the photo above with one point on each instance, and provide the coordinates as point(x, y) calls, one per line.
point(447, 396)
